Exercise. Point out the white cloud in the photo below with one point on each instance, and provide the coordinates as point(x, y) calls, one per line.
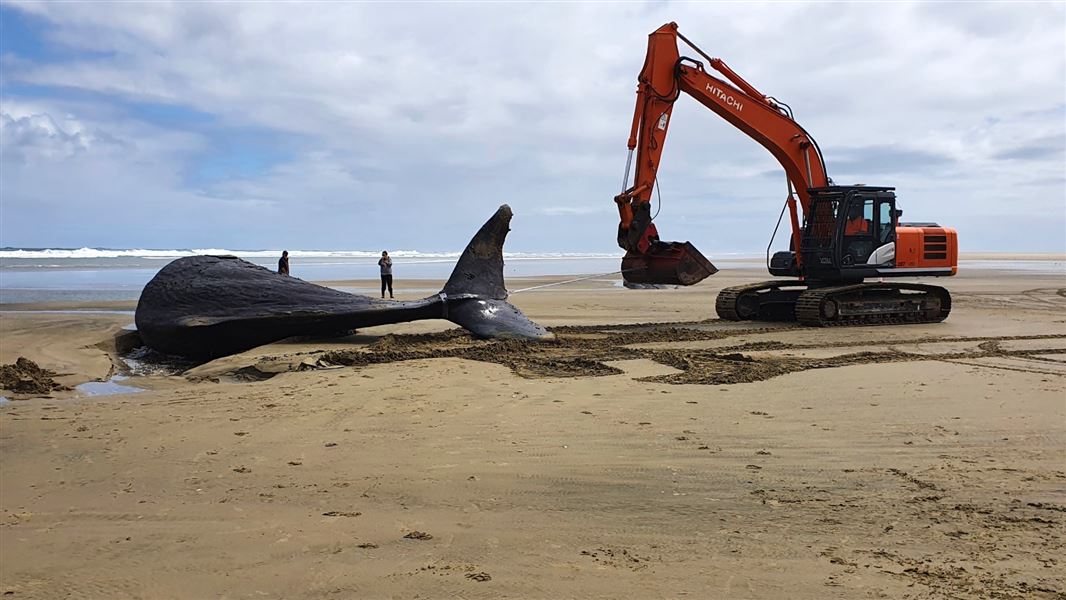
point(417, 121)
point(40, 135)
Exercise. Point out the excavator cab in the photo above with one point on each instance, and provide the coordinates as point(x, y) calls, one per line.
point(849, 232)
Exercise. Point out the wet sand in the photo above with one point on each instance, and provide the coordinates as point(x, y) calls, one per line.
point(651, 452)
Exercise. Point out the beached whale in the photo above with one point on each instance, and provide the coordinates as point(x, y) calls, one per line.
point(204, 307)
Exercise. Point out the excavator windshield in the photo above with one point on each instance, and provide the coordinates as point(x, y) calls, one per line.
point(819, 223)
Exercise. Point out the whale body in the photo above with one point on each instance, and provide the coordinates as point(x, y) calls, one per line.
point(204, 307)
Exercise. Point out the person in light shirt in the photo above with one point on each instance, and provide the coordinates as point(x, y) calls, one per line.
point(386, 273)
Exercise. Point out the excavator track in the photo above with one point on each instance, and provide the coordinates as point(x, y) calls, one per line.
point(873, 304)
point(762, 301)
point(854, 304)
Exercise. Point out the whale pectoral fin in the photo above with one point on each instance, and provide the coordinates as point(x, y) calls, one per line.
point(496, 319)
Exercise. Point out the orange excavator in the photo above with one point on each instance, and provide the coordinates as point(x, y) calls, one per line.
point(849, 233)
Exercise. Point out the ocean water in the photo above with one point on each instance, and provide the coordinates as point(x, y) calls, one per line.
point(98, 275)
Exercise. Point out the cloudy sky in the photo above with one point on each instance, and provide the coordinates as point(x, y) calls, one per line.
point(366, 126)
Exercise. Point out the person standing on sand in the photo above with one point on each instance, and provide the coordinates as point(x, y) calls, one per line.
point(386, 273)
point(283, 263)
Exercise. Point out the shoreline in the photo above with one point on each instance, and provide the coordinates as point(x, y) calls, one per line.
point(416, 288)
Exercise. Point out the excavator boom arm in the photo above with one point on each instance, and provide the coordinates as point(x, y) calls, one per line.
point(783, 137)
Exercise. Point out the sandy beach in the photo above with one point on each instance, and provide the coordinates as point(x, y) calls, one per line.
point(650, 451)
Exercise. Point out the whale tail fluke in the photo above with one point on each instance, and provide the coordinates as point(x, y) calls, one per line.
point(477, 295)
point(480, 267)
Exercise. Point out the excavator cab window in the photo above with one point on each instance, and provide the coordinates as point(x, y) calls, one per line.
point(884, 253)
point(858, 231)
point(886, 222)
point(819, 245)
point(820, 224)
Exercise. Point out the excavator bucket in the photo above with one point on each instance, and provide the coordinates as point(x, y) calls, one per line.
point(667, 263)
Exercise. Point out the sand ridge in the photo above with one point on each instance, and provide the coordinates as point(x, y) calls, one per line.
point(583, 351)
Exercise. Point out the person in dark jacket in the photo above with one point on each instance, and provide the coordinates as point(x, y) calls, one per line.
point(386, 273)
point(283, 263)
